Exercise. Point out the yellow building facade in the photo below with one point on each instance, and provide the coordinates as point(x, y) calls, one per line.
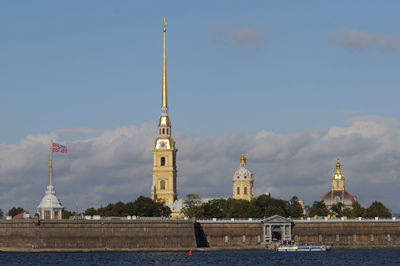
point(243, 181)
point(164, 152)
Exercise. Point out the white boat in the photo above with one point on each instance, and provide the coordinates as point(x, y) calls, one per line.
point(303, 248)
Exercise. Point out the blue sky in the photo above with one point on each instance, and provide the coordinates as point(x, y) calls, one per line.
point(77, 70)
point(98, 65)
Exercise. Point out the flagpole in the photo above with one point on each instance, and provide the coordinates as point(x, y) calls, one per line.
point(51, 162)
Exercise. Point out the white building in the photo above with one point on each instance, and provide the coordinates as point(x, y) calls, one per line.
point(50, 207)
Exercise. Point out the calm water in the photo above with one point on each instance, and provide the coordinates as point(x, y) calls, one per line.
point(334, 257)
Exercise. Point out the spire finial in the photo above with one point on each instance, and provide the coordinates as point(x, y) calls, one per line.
point(243, 159)
point(164, 105)
point(338, 165)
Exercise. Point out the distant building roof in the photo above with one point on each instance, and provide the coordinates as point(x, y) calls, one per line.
point(23, 215)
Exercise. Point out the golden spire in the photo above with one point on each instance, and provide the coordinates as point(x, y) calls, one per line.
point(164, 105)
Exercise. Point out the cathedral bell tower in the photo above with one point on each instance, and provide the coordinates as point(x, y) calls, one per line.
point(164, 152)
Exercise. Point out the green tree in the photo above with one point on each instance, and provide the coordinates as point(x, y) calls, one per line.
point(295, 209)
point(192, 206)
point(68, 214)
point(91, 211)
point(240, 209)
point(274, 210)
point(337, 208)
point(274, 206)
point(1, 214)
point(348, 212)
point(146, 207)
point(358, 210)
point(319, 208)
point(377, 209)
point(14, 211)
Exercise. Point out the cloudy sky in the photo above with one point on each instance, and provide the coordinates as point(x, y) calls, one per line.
point(294, 85)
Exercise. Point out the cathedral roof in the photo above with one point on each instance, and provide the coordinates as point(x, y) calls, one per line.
point(334, 196)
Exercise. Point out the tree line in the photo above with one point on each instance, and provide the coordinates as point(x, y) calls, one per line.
point(262, 206)
point(376, 209)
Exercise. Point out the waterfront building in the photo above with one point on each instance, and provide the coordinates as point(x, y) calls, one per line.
point(243, 181)
point(338, 193)
point(164, 151)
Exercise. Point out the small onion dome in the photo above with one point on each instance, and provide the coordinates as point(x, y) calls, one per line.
point(243, 158)
point(242, 173)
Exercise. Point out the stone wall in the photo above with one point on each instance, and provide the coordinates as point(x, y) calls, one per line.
point(96, 235)
point(136, 235)
point(373, 234)
point(233, 234)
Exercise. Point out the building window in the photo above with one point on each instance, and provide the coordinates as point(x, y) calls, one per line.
point(258, 238)
point(226, 239)
point(238, 190)
point(245, 191)
point(372, 237)
point(388, 237)
point(163, 130)
point(162, 184)
point(354, 237)
point(337, 238)
point(167, 131)
point(337, 199)
point(296, 238)
point(243, 239)
point(208, 239)
point(319, 238)
point(162, 161)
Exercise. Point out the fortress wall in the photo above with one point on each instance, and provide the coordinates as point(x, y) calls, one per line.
point(95, 235)
point(135, 235)
point(349, 234)
point(216, 233)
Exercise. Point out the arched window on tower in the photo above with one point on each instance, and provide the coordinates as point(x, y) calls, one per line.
point(162, 162)
point(245, 191)
point(167, 131)
point(163, 130)
point(238, 190)
point(162, 184)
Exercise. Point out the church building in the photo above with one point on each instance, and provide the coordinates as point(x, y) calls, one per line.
point(338, 192)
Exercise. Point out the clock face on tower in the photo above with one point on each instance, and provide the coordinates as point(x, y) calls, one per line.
point(163, 144)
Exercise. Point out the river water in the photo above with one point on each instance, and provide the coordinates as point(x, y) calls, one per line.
point(334, 257)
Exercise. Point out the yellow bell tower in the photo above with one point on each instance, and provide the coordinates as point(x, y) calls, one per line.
point(164, 152)
point(243, 181)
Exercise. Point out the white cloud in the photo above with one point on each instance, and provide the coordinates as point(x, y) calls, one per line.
point(357, 40)
point(233, 33)
point(117, 164)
